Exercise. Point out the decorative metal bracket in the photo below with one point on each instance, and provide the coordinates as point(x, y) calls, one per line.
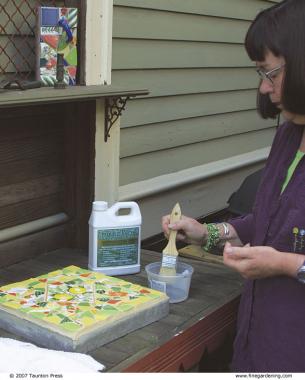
point(113, 110)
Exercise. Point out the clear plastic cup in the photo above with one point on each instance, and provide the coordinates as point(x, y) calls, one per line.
point(176, 287)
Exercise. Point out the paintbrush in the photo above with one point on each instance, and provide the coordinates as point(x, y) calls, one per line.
point(170, 253)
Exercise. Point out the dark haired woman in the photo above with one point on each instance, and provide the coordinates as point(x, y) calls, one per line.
point(268, 246)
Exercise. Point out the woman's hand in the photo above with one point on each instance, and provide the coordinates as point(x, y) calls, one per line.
point(255, 262)
point(189, 230)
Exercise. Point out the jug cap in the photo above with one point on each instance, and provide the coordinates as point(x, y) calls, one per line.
point(100, 206)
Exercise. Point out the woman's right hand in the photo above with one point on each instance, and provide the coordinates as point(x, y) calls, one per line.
point(189, 230)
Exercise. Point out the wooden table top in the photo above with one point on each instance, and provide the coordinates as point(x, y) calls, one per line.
point(213, 286)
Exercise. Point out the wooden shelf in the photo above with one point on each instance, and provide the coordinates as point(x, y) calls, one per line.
point(43, 95)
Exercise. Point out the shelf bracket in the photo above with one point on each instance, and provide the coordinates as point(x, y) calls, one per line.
point(114, 106)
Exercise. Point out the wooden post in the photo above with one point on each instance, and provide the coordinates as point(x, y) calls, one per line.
point(99, 16)
point(107, 158)
point(98, 71)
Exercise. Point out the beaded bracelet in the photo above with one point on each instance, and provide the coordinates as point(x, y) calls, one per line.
point(213, 236)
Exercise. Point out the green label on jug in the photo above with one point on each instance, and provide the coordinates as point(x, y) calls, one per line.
point(117, 247)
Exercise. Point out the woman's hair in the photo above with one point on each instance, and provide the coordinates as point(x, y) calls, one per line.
point(281, 30)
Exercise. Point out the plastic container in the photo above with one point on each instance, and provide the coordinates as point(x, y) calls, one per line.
point(176, 287)
point(114, 239)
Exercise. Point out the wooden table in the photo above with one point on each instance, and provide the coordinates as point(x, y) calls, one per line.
point(176, 343)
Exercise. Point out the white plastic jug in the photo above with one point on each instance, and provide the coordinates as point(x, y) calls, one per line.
point(114, 239)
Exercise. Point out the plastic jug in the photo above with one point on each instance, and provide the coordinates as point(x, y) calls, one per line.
point(115, 239)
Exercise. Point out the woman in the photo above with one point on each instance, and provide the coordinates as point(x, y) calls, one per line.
point(267, 247)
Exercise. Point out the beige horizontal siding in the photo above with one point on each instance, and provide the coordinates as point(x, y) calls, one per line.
point(165, 82)
point(196, 199)
point(167, 135)
point(156, 54)
point(141, 23)
point(201, 109)
point(235, 9)
point(188, 177)
point(152, 110)
point(141, 167)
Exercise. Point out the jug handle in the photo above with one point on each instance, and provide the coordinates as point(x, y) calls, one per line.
point(133, 206)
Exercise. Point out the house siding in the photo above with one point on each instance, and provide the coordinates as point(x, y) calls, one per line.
point(201, 106)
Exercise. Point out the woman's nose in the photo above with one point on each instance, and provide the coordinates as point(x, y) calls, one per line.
point(265, 87)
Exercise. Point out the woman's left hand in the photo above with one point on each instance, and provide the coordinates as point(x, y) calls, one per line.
point(254, 262)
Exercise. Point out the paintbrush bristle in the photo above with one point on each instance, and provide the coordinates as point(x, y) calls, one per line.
point(165, 271)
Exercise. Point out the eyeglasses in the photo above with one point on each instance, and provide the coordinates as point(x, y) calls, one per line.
point(269, 75)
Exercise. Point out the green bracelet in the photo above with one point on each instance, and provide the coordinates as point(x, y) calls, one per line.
point(213, 237)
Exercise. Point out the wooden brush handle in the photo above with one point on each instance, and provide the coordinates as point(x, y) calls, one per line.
point(174, 217)
point(175, 214)
point(171, 245)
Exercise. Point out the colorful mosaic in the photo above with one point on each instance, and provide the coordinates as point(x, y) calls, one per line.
point(74, 299)
point(57, 34)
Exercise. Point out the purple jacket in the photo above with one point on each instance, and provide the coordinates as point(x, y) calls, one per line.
point(271, 319)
